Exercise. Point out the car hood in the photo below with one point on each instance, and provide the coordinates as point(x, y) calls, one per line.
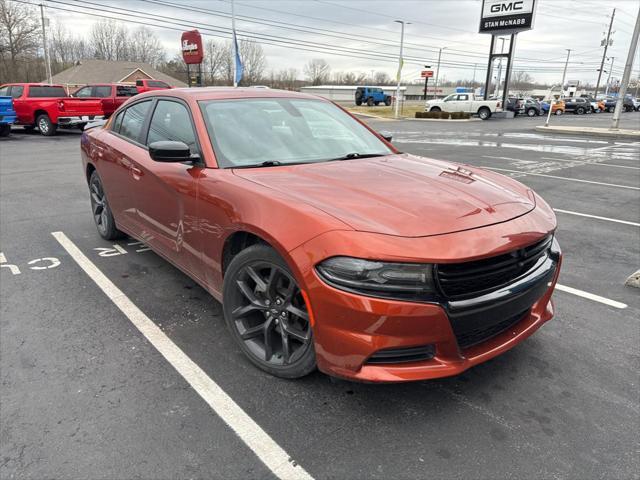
point(400, 195)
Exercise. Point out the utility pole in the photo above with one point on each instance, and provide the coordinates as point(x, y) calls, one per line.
point(400, 62)
point(426, 83)
point(473, 82)
point(627, 73)
point(47, 60)
point(499, 70)
point(604, 54)
point(564, 73)
point(435, 87)
point(606, 90)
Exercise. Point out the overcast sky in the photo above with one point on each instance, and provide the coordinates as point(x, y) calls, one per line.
point(366, 28)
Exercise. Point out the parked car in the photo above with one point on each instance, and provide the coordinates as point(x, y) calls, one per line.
point(7, 115)
point(110, 94)
point(465, 102)
point(530, 107)
point(372, 96)
point(149, 85)
point(514, 105)
point(48, 107)
point(597, 106)
point(557, 108)
point(636, 103)
point(577, 105)
point(264, 197)
point(627, 104)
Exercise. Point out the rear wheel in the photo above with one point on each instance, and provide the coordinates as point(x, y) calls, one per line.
point(102, 215)
point(531, 112)
point(45, 125)
point(387, 101)
point(358, 102)
point(484, 113)
point(559, 112)
point(370, 101)
point(435, 109)
point(267, 314)
point(580, 110)
point(611, 109)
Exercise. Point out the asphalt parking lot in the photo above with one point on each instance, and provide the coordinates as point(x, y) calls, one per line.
point(85, 395)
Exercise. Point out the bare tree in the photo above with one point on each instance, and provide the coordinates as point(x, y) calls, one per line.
point(145, 47)
point(317, 71)
point(254, 61)
point(521, 80)
point(286, 79)
point(213, 61)
point(19, 39)
point(109, 41)
point(381, 78)
point(65, 49)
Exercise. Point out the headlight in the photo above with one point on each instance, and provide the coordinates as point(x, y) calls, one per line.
point(379, 279)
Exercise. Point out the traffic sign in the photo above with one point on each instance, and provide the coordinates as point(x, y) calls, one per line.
point(426, 73)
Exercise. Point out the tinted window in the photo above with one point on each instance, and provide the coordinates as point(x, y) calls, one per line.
point(133, 120)
point(44, 91)
point(115, 126)
point(156, 83)
point(103, 91)
point(126, 91)
point(4, 92)
point(83, 92)
point(171, 121)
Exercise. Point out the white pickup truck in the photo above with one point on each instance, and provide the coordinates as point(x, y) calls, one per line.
point(465, 102)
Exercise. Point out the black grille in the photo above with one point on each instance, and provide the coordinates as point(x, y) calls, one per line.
point(480, 334)
point(402, 355)
point(462, 280)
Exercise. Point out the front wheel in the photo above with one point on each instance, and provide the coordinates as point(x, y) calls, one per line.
point(559, 112)
point(435, 109)
point(358, 102)
point(102, 215)
point(579, 111)
point(484, 113)
point(370, 102)
point(46, 126)
point(267, 314)
point(611, 109)
point(387, 101)
point(531, 112)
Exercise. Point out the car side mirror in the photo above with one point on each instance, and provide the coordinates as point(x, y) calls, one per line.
point(386, 135)
point(168, 151)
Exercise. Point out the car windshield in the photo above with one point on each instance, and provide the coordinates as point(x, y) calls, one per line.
point(279, 131)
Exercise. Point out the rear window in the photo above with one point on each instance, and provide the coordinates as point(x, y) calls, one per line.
point(157, 83)
point(126, 91)
point(43, 91)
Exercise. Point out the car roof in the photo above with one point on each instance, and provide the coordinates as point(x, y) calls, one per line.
point(223, 93)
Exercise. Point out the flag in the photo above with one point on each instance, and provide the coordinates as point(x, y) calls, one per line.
point(239, 67)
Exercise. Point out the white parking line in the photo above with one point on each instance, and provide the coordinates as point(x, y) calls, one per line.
point(267, 450)
point(595, 164)
point(569, 212)
point(590, 296)
point(564, 178)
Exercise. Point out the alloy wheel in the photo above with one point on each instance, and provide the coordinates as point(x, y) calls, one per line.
point(43, 125)
point(269, 314)
point(99, 206)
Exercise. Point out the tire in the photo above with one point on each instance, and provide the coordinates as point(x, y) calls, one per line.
point(264, 310)
point(376, 103)
point(45, 125)
point(559, 112)
point(387, 101)
point(611, 109)
point(358, 102)
point(102, 215)
point(579, 111)
point(5, 130)
point(435, 109)
point(370, 102)
point(484, 113)
point(531, 112)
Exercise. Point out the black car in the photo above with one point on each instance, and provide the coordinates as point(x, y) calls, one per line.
point(578, 106)
point(627, 104)
point(530, 107)
point(514, 105)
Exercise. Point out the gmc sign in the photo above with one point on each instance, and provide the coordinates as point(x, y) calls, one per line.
point(507, 16)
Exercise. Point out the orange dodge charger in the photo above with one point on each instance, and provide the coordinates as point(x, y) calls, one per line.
point(328, 247)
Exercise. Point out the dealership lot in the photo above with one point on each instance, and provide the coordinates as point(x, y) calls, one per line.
point(85, 394)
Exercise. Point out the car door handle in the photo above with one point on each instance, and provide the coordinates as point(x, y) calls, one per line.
point(136, 172)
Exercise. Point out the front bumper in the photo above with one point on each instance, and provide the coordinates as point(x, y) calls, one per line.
point(78, 120)
point(350, 329)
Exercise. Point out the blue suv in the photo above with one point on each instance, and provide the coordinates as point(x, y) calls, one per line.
point(372, 96)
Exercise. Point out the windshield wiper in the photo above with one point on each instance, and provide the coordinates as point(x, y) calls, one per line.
point(268, 163)
point(350, 156)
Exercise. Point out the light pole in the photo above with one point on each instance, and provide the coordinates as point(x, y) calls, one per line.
point(564, 73)
point(400, 62)
point(615, 122)
point(606, 89)
point(47, 57)
point(499, 69)
point(435, 87)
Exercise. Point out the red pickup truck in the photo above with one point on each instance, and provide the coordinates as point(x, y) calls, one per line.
point(149, 84)
point(111, 95)
point(49, 107)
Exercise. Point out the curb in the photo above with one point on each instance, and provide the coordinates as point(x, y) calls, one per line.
point(597, 132)
point(442, 119)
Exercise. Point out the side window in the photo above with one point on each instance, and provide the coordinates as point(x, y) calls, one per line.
point(133, 120)
point(83, 92)
point(463, 97)
point(4, 91)
point(115, 126)
point(102, 91)
point(126, 91)
point(171, 121)
point(16, 91)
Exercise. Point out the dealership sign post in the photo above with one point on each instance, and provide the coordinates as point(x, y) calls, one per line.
point(192, 53)
point(426, 74)
point(505, 17)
